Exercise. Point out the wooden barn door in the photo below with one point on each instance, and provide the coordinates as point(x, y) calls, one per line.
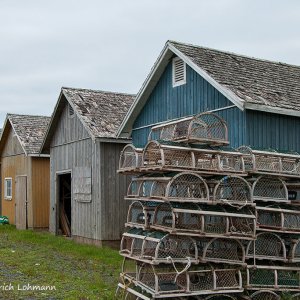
point(21, 202)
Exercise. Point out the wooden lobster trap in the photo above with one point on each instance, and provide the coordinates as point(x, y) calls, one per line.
point(157, 247)
point(140, 214)
point(271, 189)
point(165, 281)
point(220, 250)
point(170, 156)
point(265, 295)
point(273, 278)
point(294, 255)
point(267, 245)
point(131, 159)
point(278, 219)
point(271, 162)
point(204, 220)
point(183, 187)
point(232, 190)
point(204, 128)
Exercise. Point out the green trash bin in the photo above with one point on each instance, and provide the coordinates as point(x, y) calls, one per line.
point(3, 220)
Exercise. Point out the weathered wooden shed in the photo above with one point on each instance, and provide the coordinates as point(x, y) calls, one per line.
point(259, 99)
point(86, 192)
point(25, 173)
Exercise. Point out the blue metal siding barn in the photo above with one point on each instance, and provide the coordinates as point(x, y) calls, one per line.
point(259, 99)
point(197, 95)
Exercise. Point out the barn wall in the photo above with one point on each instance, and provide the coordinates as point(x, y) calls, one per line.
point(267, 130)
point(13, 163)
point(197, 95)
point(40, 185)
point(113, 208)
point(72, 149)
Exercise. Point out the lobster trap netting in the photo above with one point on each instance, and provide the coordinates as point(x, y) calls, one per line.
point(141, 214)
point(295, 251)
point(187, 186)
point(260, 278)
point(221, 250)
point(156, 247)
point(130, 158)
point(206, 161)
point(130, 268)
point(233, 190)
point(270, 189)
point(267, 246)
point(231, 162)
point(205, 128)
point(161, 279)
point(210, 279)
point(278, 219)
point(265, 295)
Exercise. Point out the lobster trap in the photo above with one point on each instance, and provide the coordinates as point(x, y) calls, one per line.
point(265, 295)
point(271, 162)
point(140, 214)
point(203, 220)
point(267, 246)
point(220, 297)
point(220, 250)
point(169, 156)
point(131, 159)
point(164, 281)
point(271, 189)
point(275, 218)
point(156, 247)
point(232, 190)
point(204, 128)
point(273, 278)
point(182, 187)
point(295, 251)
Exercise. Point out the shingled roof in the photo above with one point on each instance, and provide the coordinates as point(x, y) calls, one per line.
point(253, 80)
point(102, 112)
point(30, 131)
point(249, 83)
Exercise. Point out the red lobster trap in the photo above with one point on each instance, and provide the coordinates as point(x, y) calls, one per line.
point(204, 220)
point(271, 162)
point(204, 128)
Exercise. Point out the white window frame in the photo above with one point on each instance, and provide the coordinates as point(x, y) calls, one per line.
point(6, 196)
point(183, 81)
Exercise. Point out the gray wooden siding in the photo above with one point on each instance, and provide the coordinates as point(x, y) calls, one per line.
point(69, 129)
point(113, 207)
point(12, 146)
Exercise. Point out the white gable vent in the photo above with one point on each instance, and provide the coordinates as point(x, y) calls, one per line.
point(71, 111)
point(179, 72)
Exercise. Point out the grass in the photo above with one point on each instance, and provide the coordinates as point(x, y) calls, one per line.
point(40, 259)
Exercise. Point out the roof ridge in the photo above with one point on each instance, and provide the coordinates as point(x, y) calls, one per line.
point(98, 91)
point(235, 54)
point(24, 115)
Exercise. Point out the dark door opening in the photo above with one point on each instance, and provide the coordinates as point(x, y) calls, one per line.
point(65, 203)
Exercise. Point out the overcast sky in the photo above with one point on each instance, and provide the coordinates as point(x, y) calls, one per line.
point(111, 45)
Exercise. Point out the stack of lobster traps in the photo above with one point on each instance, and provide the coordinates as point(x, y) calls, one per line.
point(206, 221)
point(273, 258)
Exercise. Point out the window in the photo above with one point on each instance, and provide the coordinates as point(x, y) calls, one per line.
point(71, 111)
point(8, 188)
point(179, 72)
